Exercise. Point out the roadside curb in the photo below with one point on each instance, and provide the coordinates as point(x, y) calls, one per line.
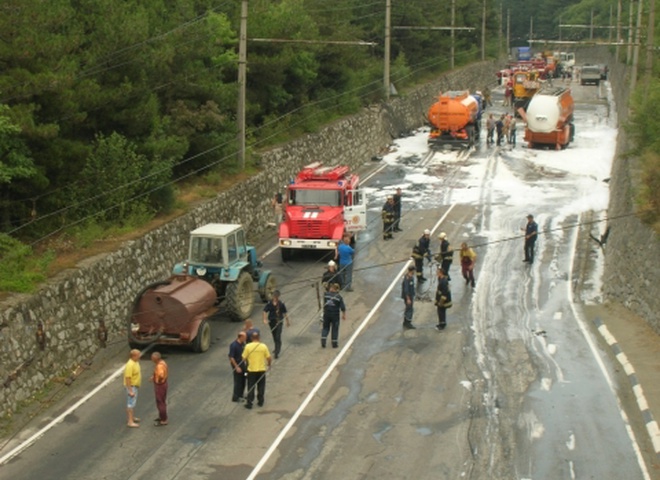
point(647, 416)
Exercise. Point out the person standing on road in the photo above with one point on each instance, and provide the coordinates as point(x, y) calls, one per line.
point(258, 359)
point(249, 329)
point(446, 256)
point(490, 128)
point(425, 243)
point(421, 250)
point(274, 313)
point(276, 205)
point(330, 276)
point(237, 365)
point(333, 307)
point(499, 126)
point(512, 131)
point(468, 261)
point(442, 299)
point(388, 218)
point(531, 234)
point(508, 94)
point(132, 382)
point(408, 296)
point(397, 210)
point(345, 255)
point(159, 378)
point(418, 258)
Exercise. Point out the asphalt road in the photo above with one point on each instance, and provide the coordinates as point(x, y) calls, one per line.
point(515, 387)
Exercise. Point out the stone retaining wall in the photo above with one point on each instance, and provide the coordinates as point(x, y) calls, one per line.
point(70, 308)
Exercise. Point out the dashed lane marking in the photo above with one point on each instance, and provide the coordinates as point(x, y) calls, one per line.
point(651, 424)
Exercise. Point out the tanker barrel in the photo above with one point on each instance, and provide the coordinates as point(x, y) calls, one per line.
point(169, 307)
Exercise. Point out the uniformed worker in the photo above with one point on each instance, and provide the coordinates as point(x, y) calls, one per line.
point(423, 250)
point(446, 255)
point(408, 296)
point(388, 218)
point(333, 307)
point(418, 258)
point(331, 275)
point(397, 197)
point(442, 299)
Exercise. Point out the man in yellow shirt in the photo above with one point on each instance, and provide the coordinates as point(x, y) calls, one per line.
point(132, 382)
point(257, 357)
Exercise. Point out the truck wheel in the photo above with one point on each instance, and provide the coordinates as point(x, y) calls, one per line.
point(470, 134)
point(270, 285)
point(202, 340)
point(286, 254)
point(240, 297)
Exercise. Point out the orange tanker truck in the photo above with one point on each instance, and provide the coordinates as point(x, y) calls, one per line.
point(455, 119)
point(549, 118)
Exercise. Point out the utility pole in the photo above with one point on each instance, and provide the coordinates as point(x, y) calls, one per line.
point(483, 33)
point(609, 39)
point(453, 24)
point(618, 28)
point(242, 75)
point(630, 33)
point(635, 64)
point(531, 30)
point(388, 33)
point(649, 39)
point(499, 32)
point(508, 32)
point(591, 26)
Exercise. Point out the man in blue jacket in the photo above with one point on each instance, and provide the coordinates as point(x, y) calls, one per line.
point(345, 254)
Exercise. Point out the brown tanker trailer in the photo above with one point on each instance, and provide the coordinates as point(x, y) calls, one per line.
point(173, 312)
point(549, 118)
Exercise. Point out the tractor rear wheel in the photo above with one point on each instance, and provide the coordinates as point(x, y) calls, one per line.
point(240, 297)
point(202, 340)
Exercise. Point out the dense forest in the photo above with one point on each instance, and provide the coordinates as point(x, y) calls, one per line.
point(107, 107)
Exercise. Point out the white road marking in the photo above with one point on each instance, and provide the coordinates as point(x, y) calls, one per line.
point(333, 365)
point(557, 316)
point(18, 449)
point(581, 323)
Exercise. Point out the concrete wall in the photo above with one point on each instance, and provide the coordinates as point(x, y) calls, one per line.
point(71, 307)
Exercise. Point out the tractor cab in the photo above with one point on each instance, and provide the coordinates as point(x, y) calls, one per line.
point(217, 247)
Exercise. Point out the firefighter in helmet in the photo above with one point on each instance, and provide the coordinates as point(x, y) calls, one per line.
point(388, 218)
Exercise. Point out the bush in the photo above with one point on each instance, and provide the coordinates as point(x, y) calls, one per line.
point(20, 270)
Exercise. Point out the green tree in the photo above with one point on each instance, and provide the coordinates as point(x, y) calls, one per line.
point(15, 164)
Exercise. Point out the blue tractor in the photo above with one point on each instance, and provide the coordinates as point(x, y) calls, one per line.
point(218, 253)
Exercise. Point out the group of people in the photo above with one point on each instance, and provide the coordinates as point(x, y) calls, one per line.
point(505, 127)
point(250, 358)
point(445, 257)
point(133, 382)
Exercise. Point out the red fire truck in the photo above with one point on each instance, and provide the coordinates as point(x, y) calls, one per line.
point(321, 204)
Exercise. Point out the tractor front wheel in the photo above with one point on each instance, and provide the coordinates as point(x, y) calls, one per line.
point(240, 297)
point(270, 285)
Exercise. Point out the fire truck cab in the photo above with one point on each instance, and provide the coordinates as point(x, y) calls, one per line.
point(321, 204)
